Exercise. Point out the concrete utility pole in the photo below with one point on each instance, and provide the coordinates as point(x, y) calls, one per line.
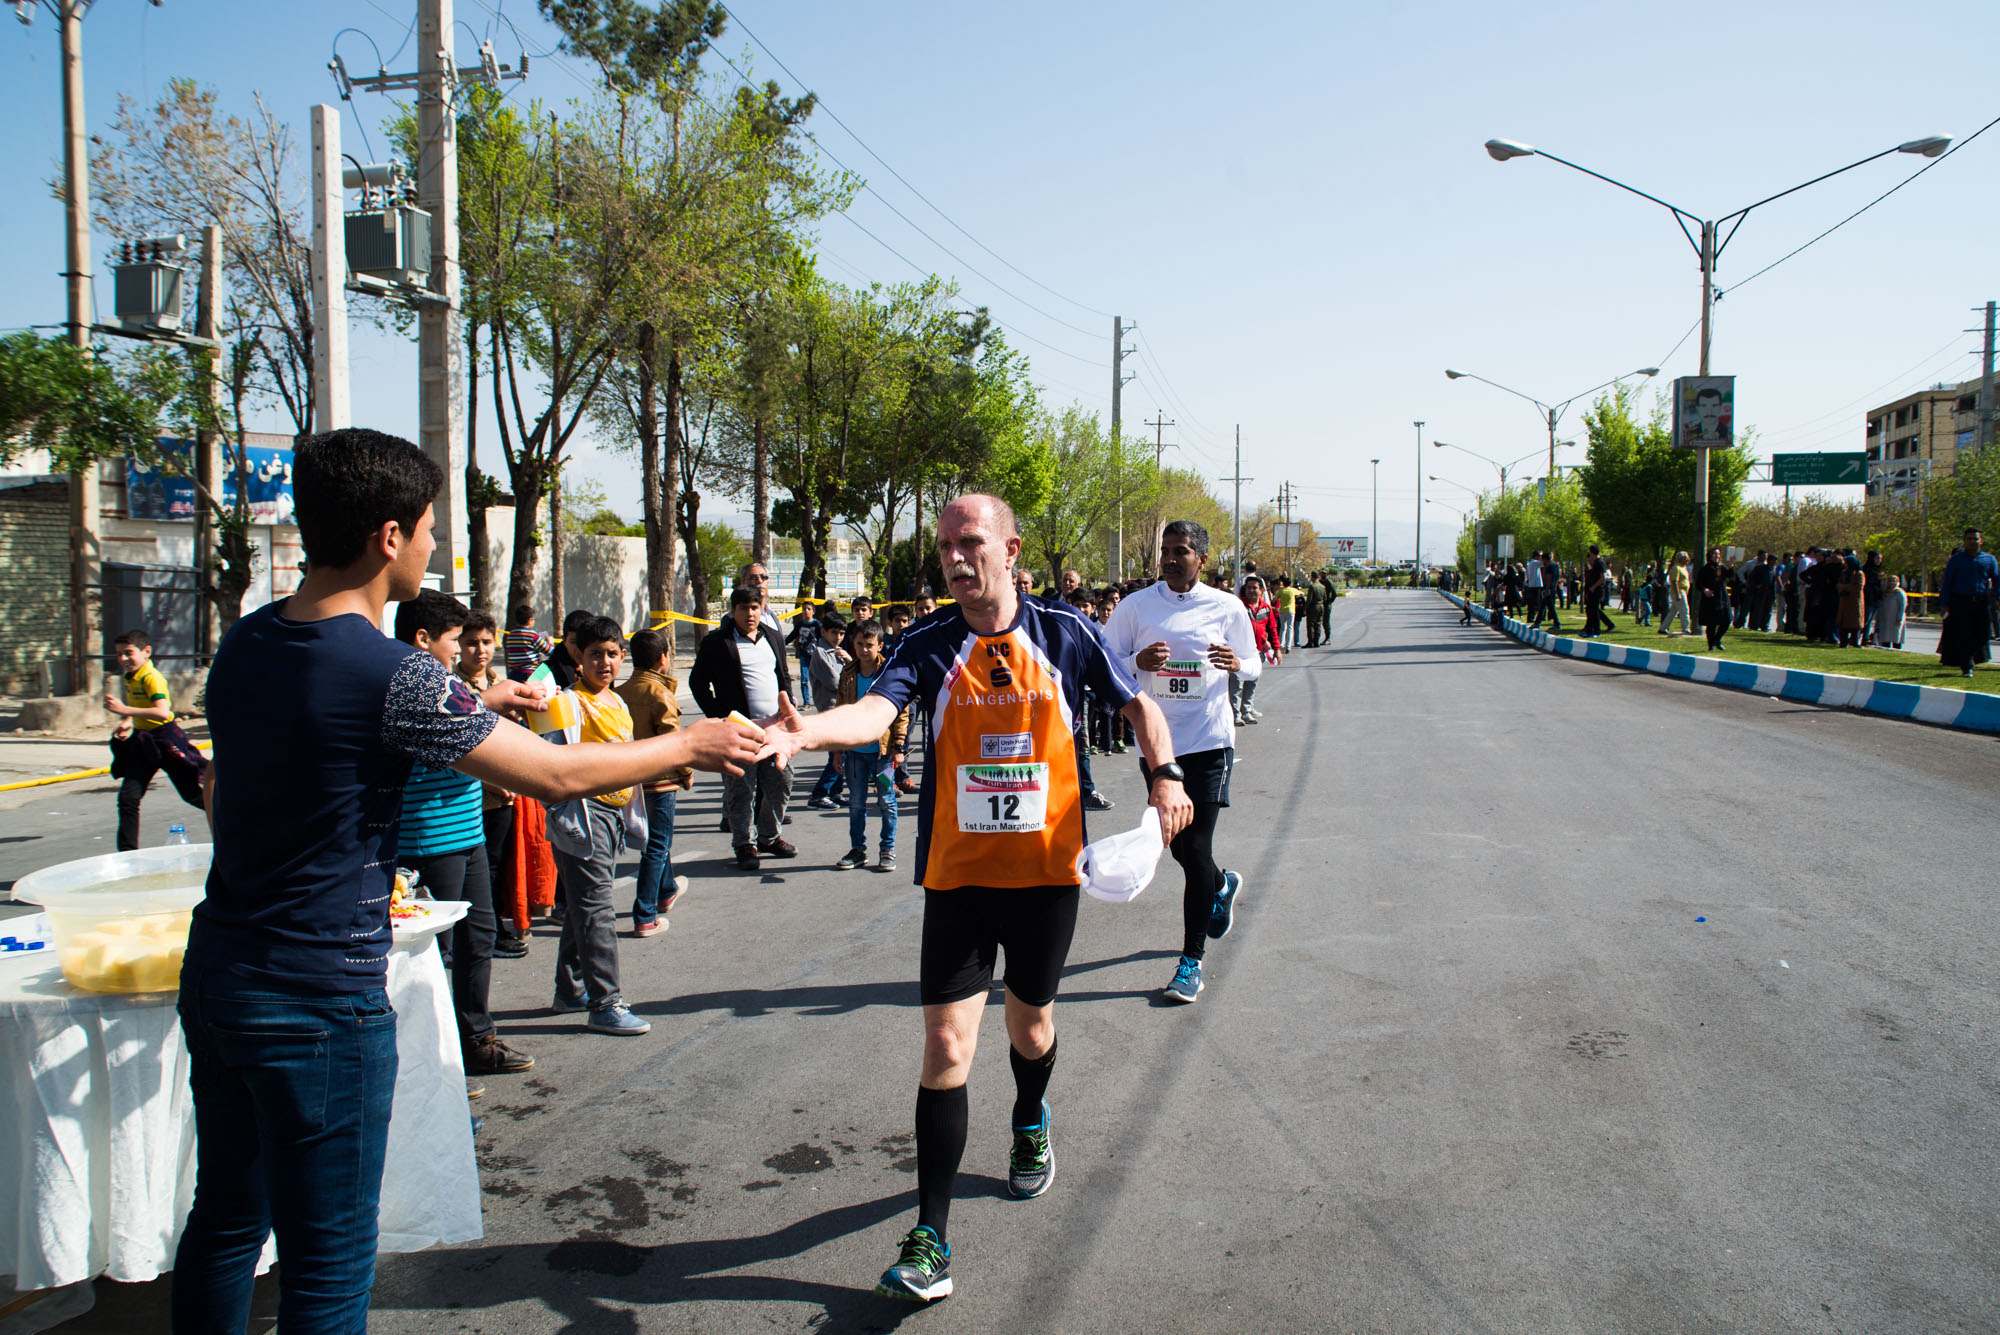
point(440, 342)
point(1159, 425)
point(86, 544)
point(1236, 539)
point(1118, 382)
point(440, 347)
point(208, 449)
point(1986, 413)
point(331, 407)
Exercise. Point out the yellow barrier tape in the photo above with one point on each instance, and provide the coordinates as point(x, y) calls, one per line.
point(661, 618)
point(79, 774)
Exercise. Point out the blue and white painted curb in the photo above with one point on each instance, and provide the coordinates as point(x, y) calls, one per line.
point(1971, 710)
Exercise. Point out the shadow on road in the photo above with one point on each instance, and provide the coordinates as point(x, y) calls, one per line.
point(608, 1269)
point(821, 999)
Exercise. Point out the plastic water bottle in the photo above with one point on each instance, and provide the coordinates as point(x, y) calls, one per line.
point(177, 834)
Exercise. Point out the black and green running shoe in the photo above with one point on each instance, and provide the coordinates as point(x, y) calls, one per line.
point(1032, 1166)
point(922, 1273)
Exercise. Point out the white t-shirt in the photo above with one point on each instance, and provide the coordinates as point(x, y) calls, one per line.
point(1192, 692)
point(760, 673)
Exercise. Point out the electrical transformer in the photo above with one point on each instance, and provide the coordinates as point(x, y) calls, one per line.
point(392, 244)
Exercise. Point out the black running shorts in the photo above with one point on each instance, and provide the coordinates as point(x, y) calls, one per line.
point(965, 929)
point(1207, 775)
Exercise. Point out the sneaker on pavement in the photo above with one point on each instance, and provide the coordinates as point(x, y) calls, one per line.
point(746, 858)
point(507, 946)
point(489, 1056)
point(1187, 982)
point(820, 803)
point(1032, 1165)
point(564, 1006)
point(653, 928)
point(777, 848)
point(907, 786)
point(922, 1273)
point(1223, 915)
point(852, 859)
point(617, 1019)
point(679, 888)
point(886, 860)
point(1098, 802)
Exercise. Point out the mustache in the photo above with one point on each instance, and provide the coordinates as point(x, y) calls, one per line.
point(960, 568)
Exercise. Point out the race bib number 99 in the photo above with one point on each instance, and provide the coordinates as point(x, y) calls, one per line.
point(1003, 799)
point(1181, 679)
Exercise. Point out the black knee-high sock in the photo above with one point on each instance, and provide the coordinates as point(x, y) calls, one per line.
point(1031, 1082)
point(941, 1119)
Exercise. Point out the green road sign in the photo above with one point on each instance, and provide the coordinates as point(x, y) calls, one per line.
point(1819, 470)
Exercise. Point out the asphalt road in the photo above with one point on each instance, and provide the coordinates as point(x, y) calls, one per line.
point(1469, 1061)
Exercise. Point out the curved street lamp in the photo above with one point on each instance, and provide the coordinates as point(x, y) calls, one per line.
point(1551, 413)
point(1710, 246)
point(1505, 468)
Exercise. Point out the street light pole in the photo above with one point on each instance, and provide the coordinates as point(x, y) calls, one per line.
point(1375, 514)
point(1551, 414)
point(1416, 571)
point(1710, 247)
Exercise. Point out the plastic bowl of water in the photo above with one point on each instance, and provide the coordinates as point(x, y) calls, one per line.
point(120, 920)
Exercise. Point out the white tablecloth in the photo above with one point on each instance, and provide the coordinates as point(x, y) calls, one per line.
point(97, 1172)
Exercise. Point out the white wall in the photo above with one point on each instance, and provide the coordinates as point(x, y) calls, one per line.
point(606, 575)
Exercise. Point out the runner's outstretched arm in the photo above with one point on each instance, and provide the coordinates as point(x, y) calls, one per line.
point(1156, 746)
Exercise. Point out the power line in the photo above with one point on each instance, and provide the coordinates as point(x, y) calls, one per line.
point(905, 181)
point(1929, 359)
point(913, 225)
point(856, 223)
point(1869, 205)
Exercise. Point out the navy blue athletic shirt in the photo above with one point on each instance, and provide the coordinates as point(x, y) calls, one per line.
point(316, 725)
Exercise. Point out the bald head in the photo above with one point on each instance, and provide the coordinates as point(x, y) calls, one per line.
point(989, 512)
point(978, 539)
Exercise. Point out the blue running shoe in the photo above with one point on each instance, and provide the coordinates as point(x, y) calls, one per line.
point(563, 1005)
point(1187, 982)
point(1223, 916)
point(1032, 1165)
point(922, 1273)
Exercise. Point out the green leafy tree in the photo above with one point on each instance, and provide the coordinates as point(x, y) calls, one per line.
point(85, 406)
point(1091, 480)
point(1641, 490)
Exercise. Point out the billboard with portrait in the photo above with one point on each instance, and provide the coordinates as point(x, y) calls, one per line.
point(1705, 412)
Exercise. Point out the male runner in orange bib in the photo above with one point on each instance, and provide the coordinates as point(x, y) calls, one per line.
point(1000, 825)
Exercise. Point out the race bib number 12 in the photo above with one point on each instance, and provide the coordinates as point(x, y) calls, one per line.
point(1003, 799)
point(1181, 679)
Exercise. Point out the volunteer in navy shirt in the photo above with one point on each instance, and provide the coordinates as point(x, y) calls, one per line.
point(317, 718)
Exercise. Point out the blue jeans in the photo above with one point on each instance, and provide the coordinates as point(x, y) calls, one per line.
point(656, 863)
point(861, 771)
point(830, 778)
point(291, 1103)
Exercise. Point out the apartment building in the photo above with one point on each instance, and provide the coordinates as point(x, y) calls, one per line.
point(1920, 436)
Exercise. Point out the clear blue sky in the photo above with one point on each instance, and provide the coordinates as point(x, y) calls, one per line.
point(1291, 201)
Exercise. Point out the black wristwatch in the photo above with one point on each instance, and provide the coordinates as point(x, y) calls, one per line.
point(1167, 771)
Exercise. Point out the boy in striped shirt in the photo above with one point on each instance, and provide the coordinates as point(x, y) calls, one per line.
point(524, 647)
point(443, 840)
